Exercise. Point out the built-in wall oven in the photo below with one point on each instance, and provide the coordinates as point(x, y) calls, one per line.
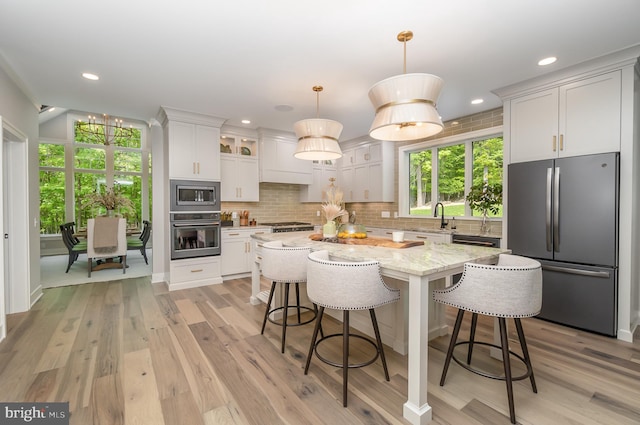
point(194, 234)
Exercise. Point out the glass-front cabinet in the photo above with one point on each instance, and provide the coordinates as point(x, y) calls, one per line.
point(239, 168)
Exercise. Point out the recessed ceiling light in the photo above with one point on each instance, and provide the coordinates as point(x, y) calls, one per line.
point(90, 76)
point(245, 122)
point(477, 101)
point(547, 61)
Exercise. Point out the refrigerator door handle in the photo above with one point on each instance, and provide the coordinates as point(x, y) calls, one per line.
point(556, 210)
point(580, 272)
point(548, 208)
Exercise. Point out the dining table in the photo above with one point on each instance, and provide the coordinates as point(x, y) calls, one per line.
point(419, 268)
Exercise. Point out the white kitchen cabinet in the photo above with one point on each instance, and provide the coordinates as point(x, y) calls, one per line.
point(193, 152)
point(370, 178)
point(378, 232)
point(237, 254)
point(322, 172)
point(277, 163)
point(239, 169)
point(192, 141)
point(194, 272)
point(578, 118)
point(428, 236)
point(345, 174)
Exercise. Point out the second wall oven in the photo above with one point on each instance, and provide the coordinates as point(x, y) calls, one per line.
point(195, 234)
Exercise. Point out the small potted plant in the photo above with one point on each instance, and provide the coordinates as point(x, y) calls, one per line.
point(485, 198)
point(111, 199)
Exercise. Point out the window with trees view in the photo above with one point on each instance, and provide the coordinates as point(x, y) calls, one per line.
point(71, 171)
point(444, 171)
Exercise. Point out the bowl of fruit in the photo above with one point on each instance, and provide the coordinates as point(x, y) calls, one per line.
point(352, 231)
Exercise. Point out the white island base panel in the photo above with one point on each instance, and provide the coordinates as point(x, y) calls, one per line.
point(419, 268)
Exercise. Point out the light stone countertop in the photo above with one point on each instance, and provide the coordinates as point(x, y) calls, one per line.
point(430, 258)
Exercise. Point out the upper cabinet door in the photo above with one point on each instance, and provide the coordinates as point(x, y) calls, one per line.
point(534, 126)
point(590, 115)
point(193, 151)
point(207, 152)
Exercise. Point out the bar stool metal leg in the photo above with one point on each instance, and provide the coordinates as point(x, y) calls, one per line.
point(285, 313)
point(376, 330)
point(266, 313)
point(472, 335)
point(506, 361)
point(525, 352)
point(452, 345)
point(298, 301)
point(318, 326)
point(345, 355)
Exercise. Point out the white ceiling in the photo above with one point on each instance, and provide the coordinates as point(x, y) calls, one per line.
point(241, 58)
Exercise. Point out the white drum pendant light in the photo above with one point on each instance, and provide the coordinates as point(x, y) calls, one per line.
point(317, 138)
point(405, 105)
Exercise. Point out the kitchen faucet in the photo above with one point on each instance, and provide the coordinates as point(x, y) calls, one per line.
point(443, 224)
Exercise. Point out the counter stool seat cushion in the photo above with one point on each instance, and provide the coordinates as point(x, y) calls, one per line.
point(510, 289)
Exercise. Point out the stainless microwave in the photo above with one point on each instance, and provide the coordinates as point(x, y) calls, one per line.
point(194, 195)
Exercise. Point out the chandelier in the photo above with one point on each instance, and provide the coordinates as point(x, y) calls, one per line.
point(106, 131)
point(317, 137)
point(405, 105)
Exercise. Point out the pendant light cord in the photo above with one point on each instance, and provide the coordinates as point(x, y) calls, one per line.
point(317, 89)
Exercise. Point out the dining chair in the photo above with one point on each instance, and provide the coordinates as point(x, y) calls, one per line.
point(140, 242)
point(73, 244)
point(107, 238)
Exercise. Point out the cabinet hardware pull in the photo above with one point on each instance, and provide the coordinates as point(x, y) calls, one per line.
point(562, 142)
point(421, 237)
point(198, 168)
point(259, 257)
point(240, 189)
point(194, 168)
point(259, 233)
point(197, 271)
point(234, 234)
point(367, 156)
point(554, 143)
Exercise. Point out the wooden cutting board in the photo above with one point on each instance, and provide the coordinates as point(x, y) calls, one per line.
point(373, 241)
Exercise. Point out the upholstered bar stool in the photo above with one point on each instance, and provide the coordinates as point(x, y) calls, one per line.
point(346, 286)
point(285, 265)
point(510, 289)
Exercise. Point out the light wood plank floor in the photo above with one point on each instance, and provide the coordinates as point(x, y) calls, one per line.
point(129, 352)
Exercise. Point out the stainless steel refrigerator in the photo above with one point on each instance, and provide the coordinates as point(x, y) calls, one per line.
point(564, 213)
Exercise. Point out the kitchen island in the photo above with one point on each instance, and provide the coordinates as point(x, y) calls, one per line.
point(417, 266)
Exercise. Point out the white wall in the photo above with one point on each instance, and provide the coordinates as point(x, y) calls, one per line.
point(21, 112)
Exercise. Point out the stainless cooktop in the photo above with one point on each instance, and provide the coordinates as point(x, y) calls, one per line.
point(288, 226)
